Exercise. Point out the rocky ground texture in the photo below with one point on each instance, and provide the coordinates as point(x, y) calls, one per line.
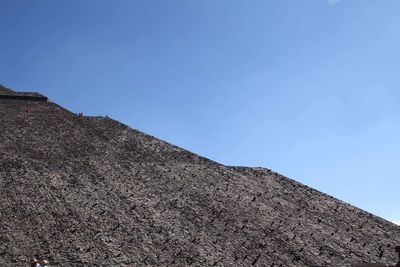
point(82, 191)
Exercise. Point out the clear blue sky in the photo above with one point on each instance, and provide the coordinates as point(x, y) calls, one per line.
point(309, 88)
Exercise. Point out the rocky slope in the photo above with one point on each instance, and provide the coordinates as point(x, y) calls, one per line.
point(91, 191)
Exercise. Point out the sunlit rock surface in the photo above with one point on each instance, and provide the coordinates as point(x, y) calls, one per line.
point(82, 190)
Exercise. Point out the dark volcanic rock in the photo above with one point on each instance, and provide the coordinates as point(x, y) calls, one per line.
point(91, 191)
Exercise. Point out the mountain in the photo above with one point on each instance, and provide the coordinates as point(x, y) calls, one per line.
point(80, 190)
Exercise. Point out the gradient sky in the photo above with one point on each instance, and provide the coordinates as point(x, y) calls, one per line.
point(308, 88)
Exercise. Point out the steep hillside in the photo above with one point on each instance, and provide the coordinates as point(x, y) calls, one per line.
point(91, 191)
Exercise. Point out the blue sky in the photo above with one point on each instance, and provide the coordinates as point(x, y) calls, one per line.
point(308, 88)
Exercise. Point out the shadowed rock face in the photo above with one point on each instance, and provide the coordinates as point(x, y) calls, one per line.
point(4, 90)
point(6, 93)
point(89, 190)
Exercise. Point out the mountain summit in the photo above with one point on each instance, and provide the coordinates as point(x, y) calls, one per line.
point(80, 191)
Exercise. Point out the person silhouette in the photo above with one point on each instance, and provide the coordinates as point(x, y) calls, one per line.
point(35, 262)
